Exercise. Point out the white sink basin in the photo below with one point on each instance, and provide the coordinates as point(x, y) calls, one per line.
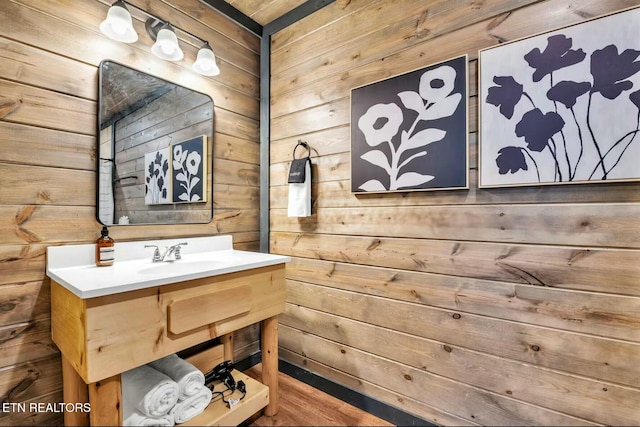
point(73, 266)
point(179, 267)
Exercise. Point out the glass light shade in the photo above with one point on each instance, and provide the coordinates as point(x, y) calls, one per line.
point(118, 25)
point(206, 62)
point(166, 45)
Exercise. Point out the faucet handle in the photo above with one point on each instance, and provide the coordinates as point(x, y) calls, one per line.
point(176, 253)
point(156, 253)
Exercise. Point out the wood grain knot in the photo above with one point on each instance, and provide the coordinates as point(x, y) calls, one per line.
point(27, 235)
point(21, 388)
point(374, 245)
point(535, 348)
point(25, 214)
point(408, 377)
point(7, 306)
point(456, 249)
point(8, 107)
point(456, 316)
point(477, 5)
point(44, 196)
point(159, 339)
point(447, 348)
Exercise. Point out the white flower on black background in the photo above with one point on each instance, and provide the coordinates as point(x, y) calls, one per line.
point(397, 132)
point(186, 168)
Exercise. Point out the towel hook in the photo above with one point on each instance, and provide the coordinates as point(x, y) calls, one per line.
point(304, 144)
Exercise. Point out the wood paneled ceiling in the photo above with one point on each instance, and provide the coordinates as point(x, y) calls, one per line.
point(264, 11)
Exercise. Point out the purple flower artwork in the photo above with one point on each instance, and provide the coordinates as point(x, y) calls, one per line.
point(409, 132)
point(562, 107)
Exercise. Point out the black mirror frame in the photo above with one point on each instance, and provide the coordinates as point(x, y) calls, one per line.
point(98, 131)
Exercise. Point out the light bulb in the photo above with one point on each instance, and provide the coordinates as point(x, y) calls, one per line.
point(118, 27)
point(167, 48)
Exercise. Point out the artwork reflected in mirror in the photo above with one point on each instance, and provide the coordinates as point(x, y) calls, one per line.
point(156, 177)
point(155, 150)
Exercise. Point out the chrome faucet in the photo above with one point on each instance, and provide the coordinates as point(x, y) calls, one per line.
point(168, 251)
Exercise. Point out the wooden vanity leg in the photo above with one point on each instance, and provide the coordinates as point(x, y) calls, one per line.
point(227, 345)
point(106, 402)
point(74, 390)
point(269, 332)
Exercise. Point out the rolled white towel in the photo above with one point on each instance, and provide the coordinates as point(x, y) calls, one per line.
point(191, 406)
point(189, 378)
point(133, 417)
point(149, 390)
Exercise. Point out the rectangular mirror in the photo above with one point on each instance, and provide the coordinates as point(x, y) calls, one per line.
point(155, 150)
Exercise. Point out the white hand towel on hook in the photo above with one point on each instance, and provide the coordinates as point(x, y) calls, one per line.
point(300, 188)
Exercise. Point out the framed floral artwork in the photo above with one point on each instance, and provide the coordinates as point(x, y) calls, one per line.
point(157, 177)
point(562, 106)
point(409, 132)
point(189, 170)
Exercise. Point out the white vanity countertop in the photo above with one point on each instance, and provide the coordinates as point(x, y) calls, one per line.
point(73, 266)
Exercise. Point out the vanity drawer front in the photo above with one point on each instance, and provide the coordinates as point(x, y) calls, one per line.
point(208, 307)
point(126, 330)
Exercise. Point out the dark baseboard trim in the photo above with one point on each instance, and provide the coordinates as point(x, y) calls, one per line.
point(249, 361)
point(352, 397)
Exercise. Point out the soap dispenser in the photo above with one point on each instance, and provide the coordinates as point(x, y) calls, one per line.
point(105, 249)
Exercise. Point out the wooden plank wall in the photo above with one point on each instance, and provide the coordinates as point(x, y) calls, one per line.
point(49, 54)
point(516, 306)
point(146, 130)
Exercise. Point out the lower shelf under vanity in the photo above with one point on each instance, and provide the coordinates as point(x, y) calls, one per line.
point(218, 413)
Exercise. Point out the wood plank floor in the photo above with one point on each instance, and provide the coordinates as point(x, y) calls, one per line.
point(303, 405)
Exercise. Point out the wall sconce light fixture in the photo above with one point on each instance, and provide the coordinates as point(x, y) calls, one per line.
point(166, 45)
point(206, 62)
point(119, 26)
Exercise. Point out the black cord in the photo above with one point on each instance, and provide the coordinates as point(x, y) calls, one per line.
point(242, 388)
point(219, 393)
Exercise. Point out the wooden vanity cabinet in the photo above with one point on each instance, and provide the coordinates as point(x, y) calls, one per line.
point(104, 336)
